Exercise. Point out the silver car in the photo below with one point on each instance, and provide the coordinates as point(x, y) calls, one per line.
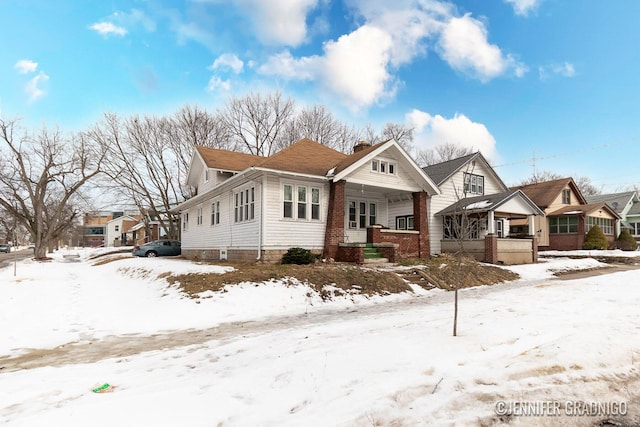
point(4, 247)
point(158, 248)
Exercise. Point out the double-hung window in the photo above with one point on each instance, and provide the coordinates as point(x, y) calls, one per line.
point(473, 184)
point(300, 202)
point(244, 205)
point(215, 213)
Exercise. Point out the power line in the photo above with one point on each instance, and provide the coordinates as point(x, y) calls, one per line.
point(533, 159)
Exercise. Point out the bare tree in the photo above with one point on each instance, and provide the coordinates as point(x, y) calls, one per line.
point(146, 165)
point(402, 134)
point(40, 175)
point(582, 182)
point(256, 122)
point(442, 153)
point(461, 225)
point(191, 126)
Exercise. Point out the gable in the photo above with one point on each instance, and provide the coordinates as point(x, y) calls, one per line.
point(549, 194)
point(453, 171)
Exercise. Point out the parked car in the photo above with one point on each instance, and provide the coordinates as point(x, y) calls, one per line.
point(158, 248)
point(4, 247)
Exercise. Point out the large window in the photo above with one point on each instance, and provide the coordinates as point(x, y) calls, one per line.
point(244, 205)
point(473, 184)
point(404, 222)
point(215, 213)
point(463, 227)
point(563, 224)
point(362, 214)
point(305, 205)
point(605, 224)
point(635, 228)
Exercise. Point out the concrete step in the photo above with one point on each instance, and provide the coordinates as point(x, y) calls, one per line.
point(376, 261)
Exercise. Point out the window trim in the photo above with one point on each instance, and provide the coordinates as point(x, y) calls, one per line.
point(215, 212)
point(294, 204)
point(244, 205)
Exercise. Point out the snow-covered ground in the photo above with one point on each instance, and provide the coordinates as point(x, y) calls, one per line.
point(301, 361)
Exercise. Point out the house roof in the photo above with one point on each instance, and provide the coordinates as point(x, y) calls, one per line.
point(353, 158)
point(227, 160)
point(490, 202)
point(618, 201)
point(583, 209)
point(544, 193)
point(305, 156)
point(440, 172)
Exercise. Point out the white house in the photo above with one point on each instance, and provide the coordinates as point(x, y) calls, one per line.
point(307, 195)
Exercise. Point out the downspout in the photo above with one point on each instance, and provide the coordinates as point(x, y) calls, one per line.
point(262, 216)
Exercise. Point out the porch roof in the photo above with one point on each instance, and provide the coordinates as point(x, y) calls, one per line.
point(584, 210)
point(490, 202)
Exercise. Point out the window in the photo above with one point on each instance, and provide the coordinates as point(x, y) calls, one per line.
point(362, 214)
point(315, 203)
point(635, 228)
point(117, 228)
point(185, 221)
point(372, 213)
point(605, 224)
point(464, 227)
point(288, 201)
point(382, 166)
point(566, 197)
point(199, 215)
point(206, 175)
point(352, 215)
point(473, 184)
point(244, 209)
point(563, 225)
point(302, 202)
point(215, 213)
point(404, 222)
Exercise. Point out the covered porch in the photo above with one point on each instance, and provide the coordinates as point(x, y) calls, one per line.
point(367, 221)
point(480, 227)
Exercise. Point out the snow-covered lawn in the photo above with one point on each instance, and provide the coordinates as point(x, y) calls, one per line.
point(304, 362)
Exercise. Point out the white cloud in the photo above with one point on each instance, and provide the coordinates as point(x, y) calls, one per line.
point(464, 46)
point(279, 22)
point(228, 60)
point(33, 87)
point(523, 7)
point(566, 69)
point(216, 83)
point(285, 65)
point(356, 66)
point(25, 66)
point(430, 131)
point(108, 28)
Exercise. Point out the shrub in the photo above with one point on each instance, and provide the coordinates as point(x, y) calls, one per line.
point(626, 242)
point(595, 239)
point(298, 256)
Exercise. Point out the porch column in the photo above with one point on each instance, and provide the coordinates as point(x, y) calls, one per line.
point(532, 225)
point(421, 223)
point(491, 222)
point(334, 233)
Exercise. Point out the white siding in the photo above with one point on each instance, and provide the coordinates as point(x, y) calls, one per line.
point(359, 235)
point(401, 179)
point(401, 208)
point(451, 191)
point(283, 233)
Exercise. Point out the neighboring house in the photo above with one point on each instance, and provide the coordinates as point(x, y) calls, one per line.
point(626, 205)
point(117, 230)
point(307, 195)
point(568, 215)
point(471, 190)
point(94, 225)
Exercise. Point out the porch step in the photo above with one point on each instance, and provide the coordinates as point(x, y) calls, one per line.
point(375, 261)
point(371, 252)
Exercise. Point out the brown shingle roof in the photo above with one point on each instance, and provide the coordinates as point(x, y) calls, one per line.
point(228, 160)
point(583, 209)
point(544, 193)
point(352, 158)
point(305, 156)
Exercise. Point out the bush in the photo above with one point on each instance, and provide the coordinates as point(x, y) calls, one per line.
point(626, 242)
point(298, 256)
point(595, 239)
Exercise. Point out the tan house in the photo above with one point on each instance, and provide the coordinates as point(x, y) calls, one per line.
point(568, 215)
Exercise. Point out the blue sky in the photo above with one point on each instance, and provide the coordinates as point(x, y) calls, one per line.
point(517, 79)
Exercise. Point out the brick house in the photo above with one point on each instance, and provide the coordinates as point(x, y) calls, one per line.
point(568, 215)
point(308, 195)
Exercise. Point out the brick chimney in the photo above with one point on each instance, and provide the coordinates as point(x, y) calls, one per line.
point(361, 145)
